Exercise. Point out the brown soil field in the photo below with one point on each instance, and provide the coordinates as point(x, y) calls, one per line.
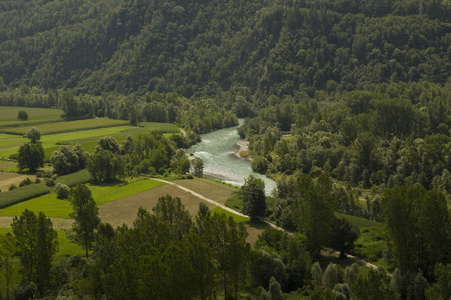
point(125, 210)
point(7, 178)
point(212, 190)
point(7, 164)
point(58, 223)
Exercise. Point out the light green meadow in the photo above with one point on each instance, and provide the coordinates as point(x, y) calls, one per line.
point(57, 208)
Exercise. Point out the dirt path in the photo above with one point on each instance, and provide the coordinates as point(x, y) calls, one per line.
point(213, 201)
point(354, 258)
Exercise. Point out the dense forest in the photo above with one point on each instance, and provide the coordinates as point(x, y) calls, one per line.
point(345, 102)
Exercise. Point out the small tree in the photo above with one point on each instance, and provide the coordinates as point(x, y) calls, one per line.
point(343, 236)
point(330, 276)
point(34, 135)
point(317, 274)
point(22, 115)
point(86, 215)
point(254, 198)
point(31, 156)
point(197, 166)
point(275, 289)
point(62, 191)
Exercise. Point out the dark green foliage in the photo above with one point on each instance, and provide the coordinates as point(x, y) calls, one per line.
point(197, 167)
point(31, 156)
point(254, 198)
point(22, 115)
point(441, 289)
point(283, 256)
point(373, 285)
point(25, 182)
point(108, 143)
point(86, 215)
point(190, 265)
point(68, 159)
point(343, 236)
point(34, 135)
point(36, 243)
point(106, 166)
point(417, 223)
point(315, 211)
point(172, 212)
point(7, 253)
point(62, 191)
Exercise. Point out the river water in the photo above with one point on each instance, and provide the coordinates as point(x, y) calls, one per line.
point(217, 150)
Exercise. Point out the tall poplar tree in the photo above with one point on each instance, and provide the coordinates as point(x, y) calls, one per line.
point(86, 215)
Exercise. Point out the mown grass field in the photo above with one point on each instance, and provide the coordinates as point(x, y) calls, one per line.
point(207, 188)
point(69, 126)
point(57, 208)
point(85, 133)
point(8, 116)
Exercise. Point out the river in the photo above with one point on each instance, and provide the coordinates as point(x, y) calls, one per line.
point(217, 150)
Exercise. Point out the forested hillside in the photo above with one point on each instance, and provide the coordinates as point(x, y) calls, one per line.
point(202, 47)
point(347, 105)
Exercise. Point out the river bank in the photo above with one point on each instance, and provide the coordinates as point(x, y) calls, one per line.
point(243, 150)
point(220, 151)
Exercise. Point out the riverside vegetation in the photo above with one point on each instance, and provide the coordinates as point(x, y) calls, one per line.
point(347, 107)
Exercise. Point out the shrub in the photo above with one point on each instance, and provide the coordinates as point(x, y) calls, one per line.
point(62, 191)
point(25, 182)
point(12, 187)
point(37, 180)
point(22, 115)
point(49, 182)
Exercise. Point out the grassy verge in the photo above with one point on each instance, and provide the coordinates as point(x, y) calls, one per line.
point(107, 193)
point(22, 194)
point(370, 245)
point(236, 218)
point(66, 246)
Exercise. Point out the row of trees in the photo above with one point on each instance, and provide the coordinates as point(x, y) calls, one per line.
point(151, 153)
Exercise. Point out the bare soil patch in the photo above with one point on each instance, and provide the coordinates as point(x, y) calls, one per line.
point(7, 164)
point(124, 211)
point(7, 178)
point(208, 189)
point(58, 223)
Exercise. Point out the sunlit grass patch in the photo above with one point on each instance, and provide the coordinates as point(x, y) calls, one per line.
point(69, 126)
point(57, 208)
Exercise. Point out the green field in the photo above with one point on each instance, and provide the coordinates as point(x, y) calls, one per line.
point(68, 126)
point(65, 247)
point(87, 138)
point(235, 217)
point(57, 208)
point(8, 116)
